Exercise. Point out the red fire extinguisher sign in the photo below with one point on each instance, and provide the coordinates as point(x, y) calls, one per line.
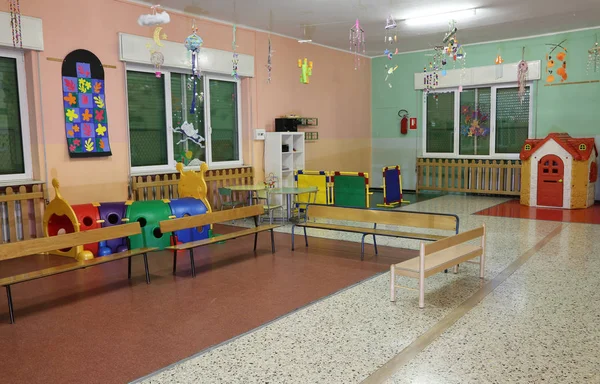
point(413, 123)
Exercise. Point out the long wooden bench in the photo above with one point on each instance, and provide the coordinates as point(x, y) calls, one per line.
point(437, 221)
point(48, 244)
point(215, 218)
point(437, 257)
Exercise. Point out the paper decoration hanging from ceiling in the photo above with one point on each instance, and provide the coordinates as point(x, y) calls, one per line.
point(84, 103)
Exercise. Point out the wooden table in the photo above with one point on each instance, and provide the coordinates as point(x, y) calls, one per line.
point(249, 189)
point(291, 191)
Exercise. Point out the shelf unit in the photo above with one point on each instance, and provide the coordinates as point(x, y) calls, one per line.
point(283, 164)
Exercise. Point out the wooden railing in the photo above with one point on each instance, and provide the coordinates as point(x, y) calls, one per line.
point(22, 211)
point(493, 177)
point(155, 187)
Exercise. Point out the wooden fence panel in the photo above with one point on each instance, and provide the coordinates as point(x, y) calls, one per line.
point(153, 187)
point(21, 209)
point(492, 177)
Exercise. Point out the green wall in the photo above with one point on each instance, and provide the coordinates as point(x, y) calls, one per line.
point(569, 108)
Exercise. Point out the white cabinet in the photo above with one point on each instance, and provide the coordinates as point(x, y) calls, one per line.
point(284, 153)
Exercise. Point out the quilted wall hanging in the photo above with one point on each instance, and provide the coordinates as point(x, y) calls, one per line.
point(84, 102)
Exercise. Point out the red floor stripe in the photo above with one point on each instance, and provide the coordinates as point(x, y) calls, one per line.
point(513, 208)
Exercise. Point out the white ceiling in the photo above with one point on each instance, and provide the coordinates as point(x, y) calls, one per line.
point(495, 19)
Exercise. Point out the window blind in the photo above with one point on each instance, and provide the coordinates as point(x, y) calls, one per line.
point(512, 120)
point(440, 123)
point(224, 120)
point(11, 140)
point(147, 119)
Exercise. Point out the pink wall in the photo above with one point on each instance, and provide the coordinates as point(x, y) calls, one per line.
point(338, 95)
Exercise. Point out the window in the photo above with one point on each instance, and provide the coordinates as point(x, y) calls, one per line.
point(582, 147)
point(482, 122)
point(170, 122)
point(528, 147)
point(15, 151)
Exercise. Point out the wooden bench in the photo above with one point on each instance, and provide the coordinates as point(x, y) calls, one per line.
point(49, 244)
point(215, 218)
point(440, 256)
point(438, 221)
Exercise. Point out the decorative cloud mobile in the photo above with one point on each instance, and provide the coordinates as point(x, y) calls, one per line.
point(155, 18)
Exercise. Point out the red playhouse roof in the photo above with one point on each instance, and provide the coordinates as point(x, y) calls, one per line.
point(570, 144)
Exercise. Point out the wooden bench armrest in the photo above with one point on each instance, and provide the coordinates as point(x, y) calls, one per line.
point(455, 240)
point(69, 240)
point(196, 221)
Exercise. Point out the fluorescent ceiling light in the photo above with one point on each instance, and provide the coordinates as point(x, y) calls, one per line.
point(441, 17)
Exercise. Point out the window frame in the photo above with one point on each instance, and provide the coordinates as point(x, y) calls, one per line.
point(456, 153)
point(170, 166)
point(19, 57)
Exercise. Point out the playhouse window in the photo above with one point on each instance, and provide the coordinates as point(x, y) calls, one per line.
point(582, 147)
point(528, 147)
point(15, 158)
point(159, 107)
point(477, 122)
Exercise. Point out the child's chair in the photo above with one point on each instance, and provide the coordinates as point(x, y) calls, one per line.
point(263, 194)
point(229, 202)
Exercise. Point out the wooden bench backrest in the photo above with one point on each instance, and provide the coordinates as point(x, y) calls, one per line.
point(407, 219)
point(210, 218)
point(454, 240)
point(69, 240)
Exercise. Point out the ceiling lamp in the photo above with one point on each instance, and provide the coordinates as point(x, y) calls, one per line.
point(307, 37)
point(441, 17)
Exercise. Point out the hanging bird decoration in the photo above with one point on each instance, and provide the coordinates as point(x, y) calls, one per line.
point(390, 30)
point(235, 60)
point(522, 71)
point(357, 42)
point(269, 62)
point(15, 23)
point(193, 43)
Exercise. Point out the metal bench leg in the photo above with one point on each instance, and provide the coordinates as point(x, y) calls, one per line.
point(293, 230)
point(193, 264)
point(375, 245)
point(392, 282)
point(255, 240)
point(305, 237)
point(146, 268)
point(174, 261)
point(272, 242)
point(362, 248)
point(374, 240)
point(129, 267)
point(10, 305)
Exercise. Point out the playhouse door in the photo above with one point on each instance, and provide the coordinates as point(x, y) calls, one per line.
point(551, 172)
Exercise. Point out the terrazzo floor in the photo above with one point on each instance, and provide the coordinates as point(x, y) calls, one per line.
point(539, 324)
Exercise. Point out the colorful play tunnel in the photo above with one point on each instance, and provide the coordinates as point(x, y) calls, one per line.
point(60, 218)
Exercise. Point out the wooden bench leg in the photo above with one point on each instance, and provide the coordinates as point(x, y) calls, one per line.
point(192, 262)
point(129, 267)
point(455, 269)
point(255, 240)
point(174, 261)
point(10, 305)
point(272, 242)
point(146, 267)
point(392, 282)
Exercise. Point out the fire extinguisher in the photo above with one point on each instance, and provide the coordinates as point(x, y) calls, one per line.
point(403, 113)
